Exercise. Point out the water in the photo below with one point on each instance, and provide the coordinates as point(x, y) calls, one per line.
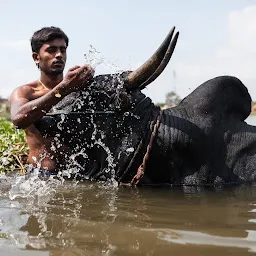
point(54, 217)
point(89, 219)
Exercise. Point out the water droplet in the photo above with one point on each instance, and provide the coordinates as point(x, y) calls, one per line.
point(130, 150)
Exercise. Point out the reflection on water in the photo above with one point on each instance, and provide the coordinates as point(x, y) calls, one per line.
point(91, 219)
point(55, 217)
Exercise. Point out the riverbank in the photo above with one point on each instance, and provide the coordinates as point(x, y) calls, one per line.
point(13, 147)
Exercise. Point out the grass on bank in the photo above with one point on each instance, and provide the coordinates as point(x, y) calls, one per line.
point(13, 147)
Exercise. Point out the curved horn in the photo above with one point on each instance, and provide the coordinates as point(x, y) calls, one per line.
point(163, 64)
point(147, 70)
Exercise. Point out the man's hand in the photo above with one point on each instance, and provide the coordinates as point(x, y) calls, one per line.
point(78, 77)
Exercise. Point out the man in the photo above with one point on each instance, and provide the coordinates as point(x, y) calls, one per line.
point(30, 102)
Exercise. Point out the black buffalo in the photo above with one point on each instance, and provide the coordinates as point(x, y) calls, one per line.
point(116, 132)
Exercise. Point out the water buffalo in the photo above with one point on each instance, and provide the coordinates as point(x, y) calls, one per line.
point(116, 132)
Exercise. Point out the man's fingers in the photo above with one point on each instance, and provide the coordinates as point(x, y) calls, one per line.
point(86, 71)
point(89, 71)
point(80, 69)
point(74, 68)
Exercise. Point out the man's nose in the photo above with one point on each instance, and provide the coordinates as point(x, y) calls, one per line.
point(59, 54)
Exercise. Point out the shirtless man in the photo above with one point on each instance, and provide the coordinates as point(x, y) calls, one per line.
point(30, 102)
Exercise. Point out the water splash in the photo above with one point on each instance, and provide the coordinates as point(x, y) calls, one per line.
point(33, 187)
point(98, 140)
point(95, 58)
point(40, 190)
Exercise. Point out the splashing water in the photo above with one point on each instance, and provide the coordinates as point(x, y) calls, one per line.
point(95, 59)
point(34, 188)
point(110, 158)
point(40, 190)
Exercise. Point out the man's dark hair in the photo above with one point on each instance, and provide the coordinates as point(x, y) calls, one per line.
point(46, 34)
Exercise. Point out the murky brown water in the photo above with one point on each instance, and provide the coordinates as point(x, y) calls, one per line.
point(89, 219)
point(49, 218)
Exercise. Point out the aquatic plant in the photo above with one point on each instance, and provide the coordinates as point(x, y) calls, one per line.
point(13, 148)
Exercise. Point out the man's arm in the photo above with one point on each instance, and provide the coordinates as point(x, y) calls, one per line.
point(25, 111)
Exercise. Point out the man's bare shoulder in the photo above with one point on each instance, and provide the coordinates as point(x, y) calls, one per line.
point(29, 86)
point(25, 90)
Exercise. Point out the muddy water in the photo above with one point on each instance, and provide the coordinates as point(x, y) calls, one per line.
point(50, 217)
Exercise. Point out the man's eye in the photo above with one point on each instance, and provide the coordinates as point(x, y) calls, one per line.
point(63, 50)
point(51, 50)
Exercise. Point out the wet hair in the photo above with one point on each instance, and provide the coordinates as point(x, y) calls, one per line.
point(46, 34)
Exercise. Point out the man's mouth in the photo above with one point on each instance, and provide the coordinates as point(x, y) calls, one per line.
point(58, 64)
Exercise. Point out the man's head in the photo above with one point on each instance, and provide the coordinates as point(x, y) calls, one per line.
point(49, 46)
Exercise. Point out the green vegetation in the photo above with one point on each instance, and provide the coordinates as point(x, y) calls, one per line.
point(13, 147)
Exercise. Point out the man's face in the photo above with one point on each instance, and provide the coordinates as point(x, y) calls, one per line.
point(52, 57)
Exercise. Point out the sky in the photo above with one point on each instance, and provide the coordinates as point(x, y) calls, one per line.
point(216, 38)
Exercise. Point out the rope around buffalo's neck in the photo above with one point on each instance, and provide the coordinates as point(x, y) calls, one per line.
point(142, 168)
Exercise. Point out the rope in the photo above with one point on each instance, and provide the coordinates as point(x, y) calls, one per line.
point(141, 170)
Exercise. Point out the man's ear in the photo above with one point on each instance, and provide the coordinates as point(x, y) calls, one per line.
point(35, 57)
